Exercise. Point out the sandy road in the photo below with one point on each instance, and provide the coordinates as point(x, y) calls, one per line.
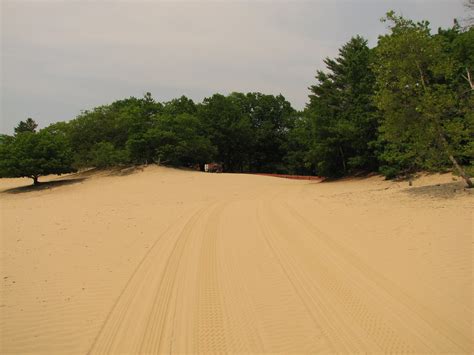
point(243, 264)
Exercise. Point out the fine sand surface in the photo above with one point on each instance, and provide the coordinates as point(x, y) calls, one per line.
point(164, 260)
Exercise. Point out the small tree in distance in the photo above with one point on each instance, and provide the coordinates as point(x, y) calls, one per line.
point(26, 126)
point(31, 154)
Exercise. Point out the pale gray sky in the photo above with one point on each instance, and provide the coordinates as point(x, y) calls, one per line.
point(61, 57)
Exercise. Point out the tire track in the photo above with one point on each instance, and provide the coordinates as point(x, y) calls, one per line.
point(107, 335)
point(351, 320)
point(293, 277)
point(329, 292)
point(429, 326)
point(211, 336)
point(160, 313)
point(359, 307)
point(128, 283)
point(243, 334)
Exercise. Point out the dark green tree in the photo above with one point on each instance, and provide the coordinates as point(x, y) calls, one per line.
point(174, 140)
point(26, 126)
point(105, 155)
point(229, 128)
point(32, 155)
point(180, 106)
point(297, 159)
point(249, 130)
point(115, 123)
point(179, 141)
point(271, 118)
point(344, 120)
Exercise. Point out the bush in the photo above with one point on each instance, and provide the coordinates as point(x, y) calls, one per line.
point(105, 155)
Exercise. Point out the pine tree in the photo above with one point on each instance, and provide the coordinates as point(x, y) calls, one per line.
point(342, 114)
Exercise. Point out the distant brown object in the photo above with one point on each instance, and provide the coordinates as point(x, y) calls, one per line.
point(213, 168)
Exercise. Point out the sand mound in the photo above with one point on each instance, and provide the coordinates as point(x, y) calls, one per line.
point(165, 260)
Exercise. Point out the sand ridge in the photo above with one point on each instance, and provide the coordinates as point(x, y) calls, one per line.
point(165, 260)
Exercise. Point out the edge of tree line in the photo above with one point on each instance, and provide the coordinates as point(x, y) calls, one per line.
point(404, 106)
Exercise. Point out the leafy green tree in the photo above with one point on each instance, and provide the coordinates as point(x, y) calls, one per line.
point(249, 130)
point(180, 106)
point(179, 141)
point(297, 159)
point(104, 155)
point(141, 148)
point(32, 155)
point(174, 140)
point(26, 126)
point(115, 123)
point(271, 119)
point(229, 128)
point(344, 120)
point(422, 115)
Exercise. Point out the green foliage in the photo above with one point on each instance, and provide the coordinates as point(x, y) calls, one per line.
point(421, 97)
point(173, 140)
point(30, 154)
point(298, 158)
point(179, 141)
point(342, 117)
point(229, 128)
point(180, 106)
point(250, 130)
point(26, 126)
point(271, 119)
point(104, 155)
point(114, 124)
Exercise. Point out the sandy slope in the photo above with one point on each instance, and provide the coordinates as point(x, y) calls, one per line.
point(173, 261)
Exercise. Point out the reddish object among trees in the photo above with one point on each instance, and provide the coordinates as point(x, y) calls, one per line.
point(213, 168)
point(296, 177)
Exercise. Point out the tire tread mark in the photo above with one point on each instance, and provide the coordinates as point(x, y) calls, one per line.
point(298, 290)
point(127, 285)
point(156, 323)
point(349, 304)
point(106, 341)
point(210, 323)
point(384, 284)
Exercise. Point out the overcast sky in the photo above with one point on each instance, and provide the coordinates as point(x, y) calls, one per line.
point(61, 57)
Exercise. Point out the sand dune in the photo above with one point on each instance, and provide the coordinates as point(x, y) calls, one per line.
point(164, 260)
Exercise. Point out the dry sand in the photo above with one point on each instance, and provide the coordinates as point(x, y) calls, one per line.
point(164, 260)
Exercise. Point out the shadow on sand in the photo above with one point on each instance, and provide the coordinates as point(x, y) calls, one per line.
point(43, 186)
point(447, 190)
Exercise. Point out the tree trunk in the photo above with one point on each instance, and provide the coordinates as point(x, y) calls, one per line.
point(469, 79)
point(343, 160)
point(461, 171)
point(458, 167)
point(35, 180)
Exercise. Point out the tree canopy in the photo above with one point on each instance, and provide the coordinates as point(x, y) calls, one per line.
point(421, 97)
point(341, 112)
point(26, 126)
point(31, 154)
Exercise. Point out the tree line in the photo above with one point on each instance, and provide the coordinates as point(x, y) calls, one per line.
point(403, 106)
